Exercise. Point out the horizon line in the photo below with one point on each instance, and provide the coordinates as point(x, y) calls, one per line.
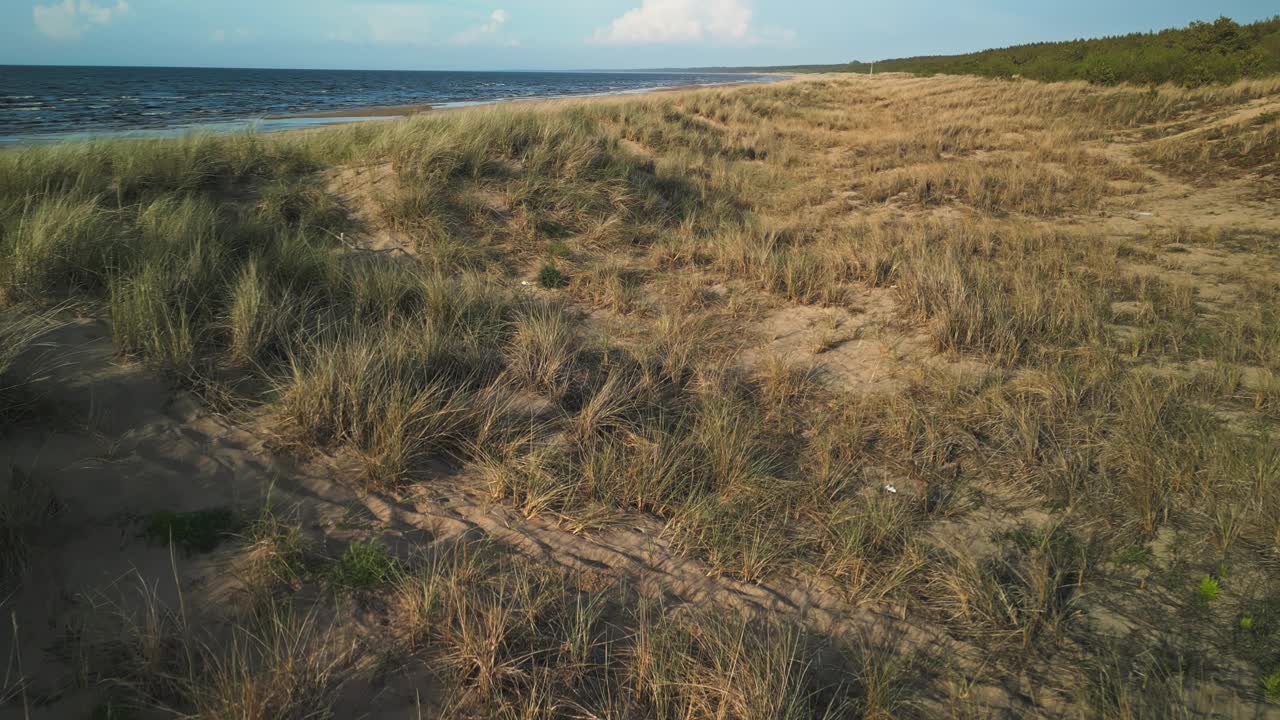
point(105, 66)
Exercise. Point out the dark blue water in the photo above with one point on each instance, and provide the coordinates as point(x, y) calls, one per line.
point(43, 103)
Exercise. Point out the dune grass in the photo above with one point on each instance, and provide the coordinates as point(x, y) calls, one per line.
point(514, 637)
point(499, 635)
point(569, 314)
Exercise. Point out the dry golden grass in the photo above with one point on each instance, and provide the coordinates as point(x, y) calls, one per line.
point(914, 345)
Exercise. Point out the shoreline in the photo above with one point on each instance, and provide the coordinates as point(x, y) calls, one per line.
point(399, 111)
point(380, 111)
point(290, 122)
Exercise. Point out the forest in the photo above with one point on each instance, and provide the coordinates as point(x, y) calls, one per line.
point(1202, 53)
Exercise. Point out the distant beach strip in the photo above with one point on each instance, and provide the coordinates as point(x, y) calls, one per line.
point(399, 111)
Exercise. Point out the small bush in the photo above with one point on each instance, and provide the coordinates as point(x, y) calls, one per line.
point(194, 532)
point(551, 278)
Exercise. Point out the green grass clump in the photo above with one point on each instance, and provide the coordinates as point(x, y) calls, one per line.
point(1208, 591)
point(1271, 685)
point(364, 566)
point(551, 278)
point(193, 532)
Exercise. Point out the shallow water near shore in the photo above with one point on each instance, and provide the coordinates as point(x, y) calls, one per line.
point(49, 104)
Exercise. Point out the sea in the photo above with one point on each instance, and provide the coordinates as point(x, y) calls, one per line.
point(48, 104)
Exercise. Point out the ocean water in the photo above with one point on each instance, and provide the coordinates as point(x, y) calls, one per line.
point(50, 103)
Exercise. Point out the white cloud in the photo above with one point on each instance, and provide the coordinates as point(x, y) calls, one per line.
point(497, 20)
point(399, 23)
point(69, 20)
point(677, 21)
point(58, 21)
point(102, 15)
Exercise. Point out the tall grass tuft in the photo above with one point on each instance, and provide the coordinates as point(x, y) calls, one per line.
point(59, 245)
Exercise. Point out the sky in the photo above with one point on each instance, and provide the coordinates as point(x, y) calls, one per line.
point(558, 34)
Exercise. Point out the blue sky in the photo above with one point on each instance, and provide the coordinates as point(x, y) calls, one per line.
point(557, 34)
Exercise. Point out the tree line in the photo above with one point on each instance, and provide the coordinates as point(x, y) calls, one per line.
point(1201, 53)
